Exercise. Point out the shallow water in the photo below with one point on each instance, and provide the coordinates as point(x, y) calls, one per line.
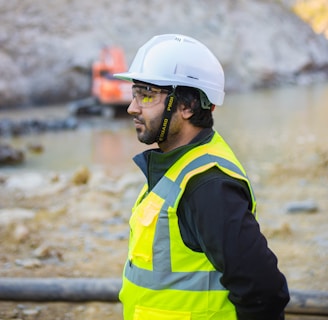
point(258, 125)
point(264, 123)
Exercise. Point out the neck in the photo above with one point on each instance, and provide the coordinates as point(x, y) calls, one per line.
point(180, 139)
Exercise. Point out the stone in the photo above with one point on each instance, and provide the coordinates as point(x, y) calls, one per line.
point(10, 155)
point(26, 181)
point(14, 215)
point(29, 263)
point(309, 206)
point(81, 176)
point(21, 233)
point(35, 148)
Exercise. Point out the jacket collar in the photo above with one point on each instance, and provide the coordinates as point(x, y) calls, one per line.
point(154, 163)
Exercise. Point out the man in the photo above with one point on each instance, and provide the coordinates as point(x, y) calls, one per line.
point(195, 251)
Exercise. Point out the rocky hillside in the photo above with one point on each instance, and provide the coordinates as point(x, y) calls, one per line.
point(47, 47)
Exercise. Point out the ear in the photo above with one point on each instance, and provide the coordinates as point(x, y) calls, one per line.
point(186, 112)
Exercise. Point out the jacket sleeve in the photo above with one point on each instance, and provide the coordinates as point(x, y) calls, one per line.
point(215, 218)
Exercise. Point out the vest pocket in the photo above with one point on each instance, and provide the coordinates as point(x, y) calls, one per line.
point(143, 226)
point(144, 313)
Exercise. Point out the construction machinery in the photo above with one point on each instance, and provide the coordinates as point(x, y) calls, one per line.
point(105, 88)
point(108, 94)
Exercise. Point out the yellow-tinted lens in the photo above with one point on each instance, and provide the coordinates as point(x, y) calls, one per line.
point(146, 96)
point(147, 99)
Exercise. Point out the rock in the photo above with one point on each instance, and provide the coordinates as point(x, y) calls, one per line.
point(81, 176)
point(47, 251)
point(35, 147)
point(43, 251)
point(308, 206)
point(13, 215)
point(35, 185)
point(10, 155)
point(26, 181)
point(31, 314)
point(29, 263)
point(21, 233)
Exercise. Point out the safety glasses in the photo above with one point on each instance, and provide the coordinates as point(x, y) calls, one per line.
point(147, 96)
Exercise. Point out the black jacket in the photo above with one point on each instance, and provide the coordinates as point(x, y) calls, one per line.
point(215, 218)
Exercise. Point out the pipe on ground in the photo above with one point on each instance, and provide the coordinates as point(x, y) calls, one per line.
point(59, 289)
point(106, 289)
point(308, 303)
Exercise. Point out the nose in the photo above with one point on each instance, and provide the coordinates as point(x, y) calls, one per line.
point(133, 108)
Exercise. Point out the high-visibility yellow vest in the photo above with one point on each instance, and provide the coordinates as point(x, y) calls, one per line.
point(164, 279)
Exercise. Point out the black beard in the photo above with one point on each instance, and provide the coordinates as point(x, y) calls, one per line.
point(150, 134)
point(147, 137)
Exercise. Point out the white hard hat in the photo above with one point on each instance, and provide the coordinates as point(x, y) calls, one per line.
point(177, 60)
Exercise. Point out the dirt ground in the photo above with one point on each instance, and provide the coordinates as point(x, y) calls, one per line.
point(75, 224)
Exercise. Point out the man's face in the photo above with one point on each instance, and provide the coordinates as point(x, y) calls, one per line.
point(147, 108)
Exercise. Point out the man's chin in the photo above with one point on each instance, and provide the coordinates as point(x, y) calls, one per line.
point(146, 140)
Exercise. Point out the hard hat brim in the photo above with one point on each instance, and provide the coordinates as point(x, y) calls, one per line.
point(168, 81)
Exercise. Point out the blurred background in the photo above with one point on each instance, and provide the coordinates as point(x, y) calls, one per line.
point(67, 181)
point(47, 49)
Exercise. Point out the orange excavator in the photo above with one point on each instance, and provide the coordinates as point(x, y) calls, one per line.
point(105, 88)
point(108, 94)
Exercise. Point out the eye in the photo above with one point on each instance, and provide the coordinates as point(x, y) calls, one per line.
point(146, 95)
point(146, 98)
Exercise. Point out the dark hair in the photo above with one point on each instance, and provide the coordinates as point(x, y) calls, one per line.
point(190, 97)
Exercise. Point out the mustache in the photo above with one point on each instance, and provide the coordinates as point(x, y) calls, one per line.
point(138, 119)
